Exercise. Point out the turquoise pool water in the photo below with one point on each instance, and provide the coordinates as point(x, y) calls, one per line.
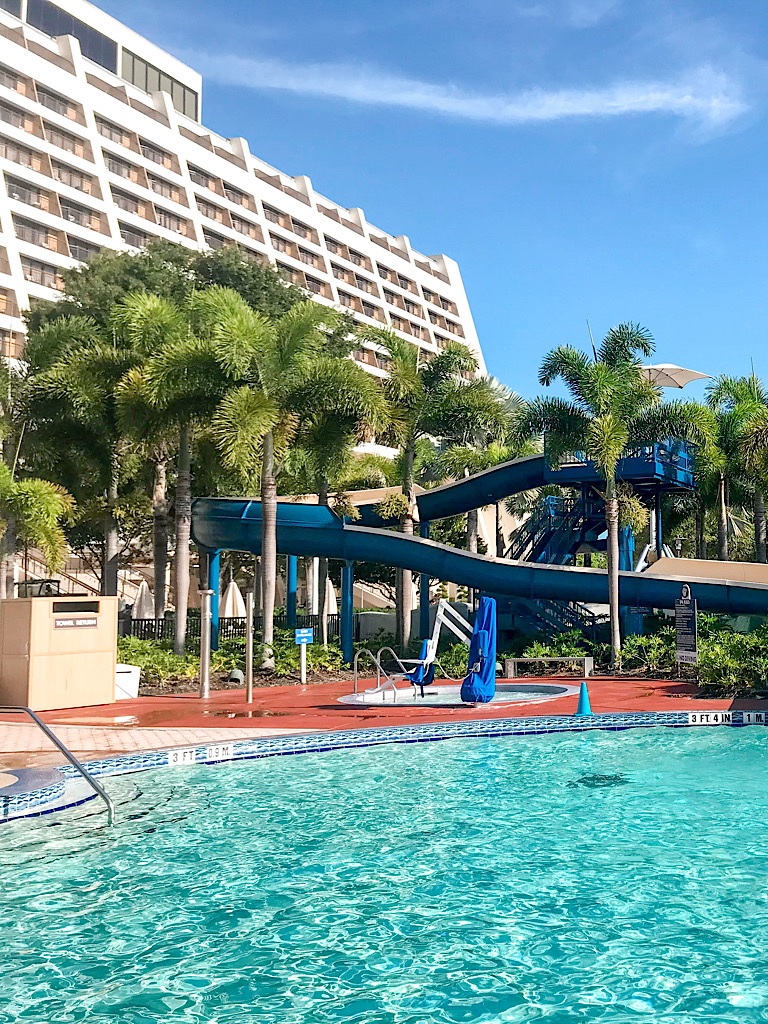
point(584, 877)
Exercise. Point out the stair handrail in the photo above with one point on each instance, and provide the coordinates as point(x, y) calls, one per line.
point(98, 789)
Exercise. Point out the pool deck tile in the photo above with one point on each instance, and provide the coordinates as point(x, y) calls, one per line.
point(160, 723)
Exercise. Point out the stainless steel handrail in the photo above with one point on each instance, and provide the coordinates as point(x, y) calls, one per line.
point(99, 790)
point(372, 656)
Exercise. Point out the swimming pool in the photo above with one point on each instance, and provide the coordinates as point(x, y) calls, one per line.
point(574, 877)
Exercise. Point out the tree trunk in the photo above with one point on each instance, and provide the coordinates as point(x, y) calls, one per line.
point(760, 525)
point(322, 499)
point(612, 522)
point(10, 544)
point(472, 530)
point(160, 535)
point(499, 531)
point(405, 576)
point(722, 521)
point(268, 548)
point(183, 524)
point(111, 539)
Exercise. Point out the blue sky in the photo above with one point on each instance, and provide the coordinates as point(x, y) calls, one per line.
point(601, 159)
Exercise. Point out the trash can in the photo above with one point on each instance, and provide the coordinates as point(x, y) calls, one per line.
point(58, 652)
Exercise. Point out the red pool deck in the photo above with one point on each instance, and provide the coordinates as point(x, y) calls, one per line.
point(159, 722)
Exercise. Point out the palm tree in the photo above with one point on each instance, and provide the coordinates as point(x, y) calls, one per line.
point(737, 403)
point(75, 397)
point(438, 398)
point(340, 406)
point(612, 406)
point(178, 386)
point(245, 375)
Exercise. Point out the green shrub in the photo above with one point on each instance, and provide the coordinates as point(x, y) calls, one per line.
point(156, 659)
point(655, 652)
point(561, 645)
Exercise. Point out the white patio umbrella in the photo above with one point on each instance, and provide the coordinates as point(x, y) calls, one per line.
point(233, 605)
point(144, 605)
point(331, 604)
point(668, 375)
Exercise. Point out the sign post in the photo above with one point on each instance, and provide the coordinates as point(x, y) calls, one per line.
point(302, 637)
point(249, 648)
point(686, 639)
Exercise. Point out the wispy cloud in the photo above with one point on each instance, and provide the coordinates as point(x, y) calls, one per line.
point(706, 97)
point(571, 13)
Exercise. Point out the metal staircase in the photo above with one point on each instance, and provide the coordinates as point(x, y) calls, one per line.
point(556, 529)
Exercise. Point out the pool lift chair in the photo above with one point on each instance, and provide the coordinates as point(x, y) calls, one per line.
point(422, 670)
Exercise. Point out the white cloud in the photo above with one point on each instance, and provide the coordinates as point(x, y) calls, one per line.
point(705, 97)
point(573, 13)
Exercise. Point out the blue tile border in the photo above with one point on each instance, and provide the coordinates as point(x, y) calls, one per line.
point(32, 801)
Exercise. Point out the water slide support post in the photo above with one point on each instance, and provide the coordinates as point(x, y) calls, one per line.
point(424, 579)
point(347, 612)
point(214, 572)
point(292, 575)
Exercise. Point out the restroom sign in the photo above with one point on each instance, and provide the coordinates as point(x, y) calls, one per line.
point(686, 638)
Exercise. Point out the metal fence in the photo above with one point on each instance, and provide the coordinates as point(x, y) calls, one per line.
point(162, 629)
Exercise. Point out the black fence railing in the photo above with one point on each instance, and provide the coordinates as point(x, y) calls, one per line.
point(163, 629)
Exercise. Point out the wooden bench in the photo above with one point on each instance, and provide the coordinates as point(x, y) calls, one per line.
point(510, 664)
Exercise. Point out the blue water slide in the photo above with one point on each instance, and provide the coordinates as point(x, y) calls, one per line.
point(235, 524)
point(483, 489)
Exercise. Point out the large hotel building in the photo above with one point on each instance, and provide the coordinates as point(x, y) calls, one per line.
point(101, 144)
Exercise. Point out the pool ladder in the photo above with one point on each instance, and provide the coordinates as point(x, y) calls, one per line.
point(95, 786)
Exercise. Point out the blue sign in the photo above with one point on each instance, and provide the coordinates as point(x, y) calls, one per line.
point(304, 636)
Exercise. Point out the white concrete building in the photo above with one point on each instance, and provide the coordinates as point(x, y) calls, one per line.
point(101, 144)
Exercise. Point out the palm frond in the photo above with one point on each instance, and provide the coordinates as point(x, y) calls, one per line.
point(625, 343)
point(243, 418)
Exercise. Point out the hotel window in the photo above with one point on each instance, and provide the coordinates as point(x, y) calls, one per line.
point(214, 241)
point(384, 272)
point(41, 273)
point(316, 286)
point(369, 309)
point(334, 246)
point(123, 201)
point(51, 100)
point(80, 250)
point(310, 258)
point(19, 154)
point(121, 168)
point(274, 216)
point(358, 259)
point(235, 196)
point(55, 22)
point(36, 234)
point(365, 285)
point(209, 210)
point(347, 300)
point(165, 188)
point(301, 229)
point(12, 6)
point(153, 153)
point(146, 76)
point(64, 140)
point(412, 308)
point(338, 272)
point(246, 228)
point(138, 239)
point(169, 221)
point(77, 214)
point(24, 193)
point(75, 179)
point(9, 78)
point(282, 244)
point(113, 132)
point(201, 178)
point(12, 115)
point(428, 295)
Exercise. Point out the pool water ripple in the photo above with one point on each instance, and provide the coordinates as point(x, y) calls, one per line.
point(465, 881)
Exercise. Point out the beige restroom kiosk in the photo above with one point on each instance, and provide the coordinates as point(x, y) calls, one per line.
point(58, 652)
